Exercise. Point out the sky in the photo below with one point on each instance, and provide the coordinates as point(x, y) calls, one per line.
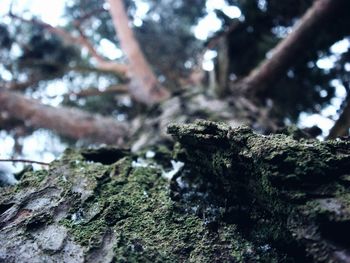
point(51, 12)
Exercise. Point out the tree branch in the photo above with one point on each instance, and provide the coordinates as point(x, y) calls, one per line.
point(342, 125)
point(102, 63)
point(114, 89)
point(86, 16)
point(290, 48)
point(73, 123)
point(23, 161)
point(144, 84)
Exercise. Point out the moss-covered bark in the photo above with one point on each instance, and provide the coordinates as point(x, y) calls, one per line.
point(291, 194)
point(241, 197)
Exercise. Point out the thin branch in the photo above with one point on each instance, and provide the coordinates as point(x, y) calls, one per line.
point(115, 89)
point(342, 125)
point(78, 68)
point(197, 74)
point(82, 40)
point(144, 86)
point(290, 48)
point(23, 161)
point(103, 64)
point(216, 40)
point(86, 16)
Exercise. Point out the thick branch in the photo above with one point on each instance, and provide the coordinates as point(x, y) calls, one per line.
point(144, 84)
point(290, 48)
point(69, 122)
point(342, 125)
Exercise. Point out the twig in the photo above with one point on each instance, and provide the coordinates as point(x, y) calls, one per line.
point(23, 161)
point(86, 16)
point(115, 89)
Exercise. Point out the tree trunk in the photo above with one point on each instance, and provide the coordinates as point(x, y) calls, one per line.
point(241, 197)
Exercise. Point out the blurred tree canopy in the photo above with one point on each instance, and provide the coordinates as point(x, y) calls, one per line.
point(33, 54)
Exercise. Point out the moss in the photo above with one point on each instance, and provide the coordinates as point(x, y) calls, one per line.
point(299, 184)
point(241, 197)
point(135, 205)
point(89, 235)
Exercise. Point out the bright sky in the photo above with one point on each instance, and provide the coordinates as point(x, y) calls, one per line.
point(50, 11)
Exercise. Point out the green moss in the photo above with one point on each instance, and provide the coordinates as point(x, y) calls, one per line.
point(241, 197)
point(135, 205)
point(89, 235)
point(300, 184)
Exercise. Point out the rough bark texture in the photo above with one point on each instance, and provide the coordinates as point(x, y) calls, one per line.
point(73, 123)
point(241, 197)
point(290, 194)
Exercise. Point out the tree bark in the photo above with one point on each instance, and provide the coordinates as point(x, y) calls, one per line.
point(73, 123)
point(290, 48)
point(144, 83)
point(295, 190)
point(241, 197)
